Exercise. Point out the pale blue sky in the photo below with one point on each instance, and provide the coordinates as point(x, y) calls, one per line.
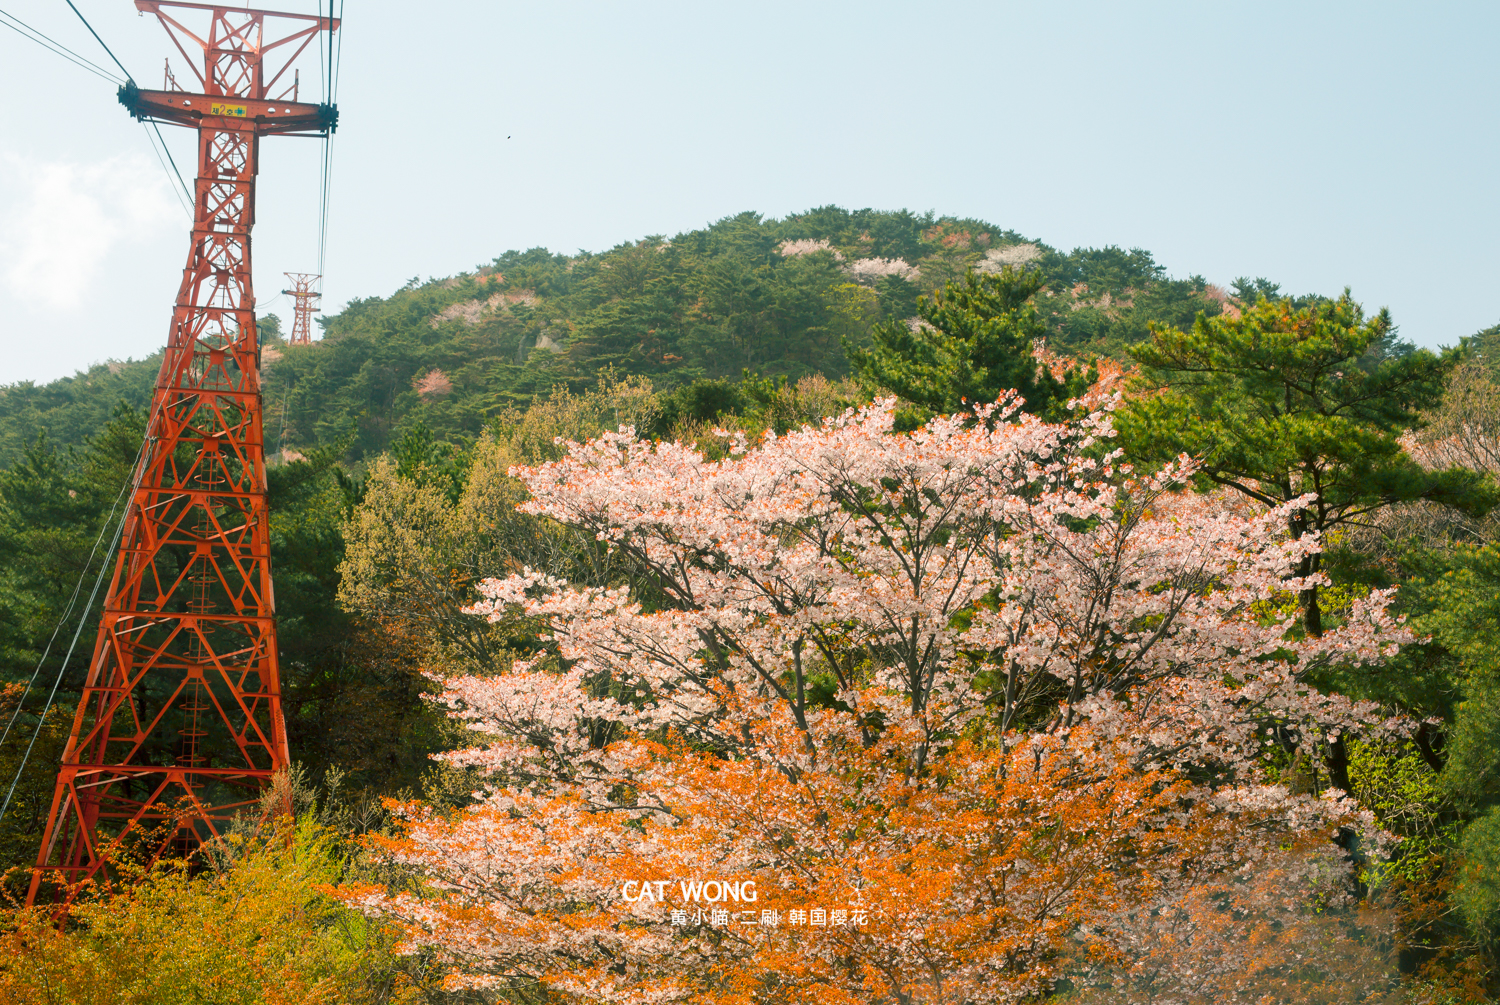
point(1318, 144)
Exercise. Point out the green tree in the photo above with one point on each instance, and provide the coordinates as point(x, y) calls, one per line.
point(1282, 403)
point(55, 529)
point(1453, 596)
point(261, 929)
point(969, 344)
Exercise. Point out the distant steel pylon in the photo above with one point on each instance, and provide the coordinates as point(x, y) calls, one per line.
point(305, 296)
point(179, 723)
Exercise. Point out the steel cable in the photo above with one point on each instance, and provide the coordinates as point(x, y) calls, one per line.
point(130, 486)
point(100, 41)
point(331, 79)
point(22, 29)
point(67, 613)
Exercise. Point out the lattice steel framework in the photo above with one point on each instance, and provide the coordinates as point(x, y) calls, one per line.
point(179, 726)
point(305, 298)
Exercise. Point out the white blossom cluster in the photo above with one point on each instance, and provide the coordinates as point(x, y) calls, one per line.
point(868, 270)
point(807, 246)
point(1017, 255)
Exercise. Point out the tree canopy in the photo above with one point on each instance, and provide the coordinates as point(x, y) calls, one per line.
point(777, 297)
point(1282, 402)
point(970, 344)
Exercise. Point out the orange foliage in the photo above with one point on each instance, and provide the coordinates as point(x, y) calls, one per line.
point(827, 709)
point(995, 874)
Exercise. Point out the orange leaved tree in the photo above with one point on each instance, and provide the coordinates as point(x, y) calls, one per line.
point(940, 717)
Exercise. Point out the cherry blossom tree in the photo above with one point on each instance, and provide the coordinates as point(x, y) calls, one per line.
point(807, 246)
point(982, 687)
point(868, 270)
point(1018, 255)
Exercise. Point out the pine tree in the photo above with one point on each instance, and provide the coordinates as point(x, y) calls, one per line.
point(969, 344)
point(1285, 401)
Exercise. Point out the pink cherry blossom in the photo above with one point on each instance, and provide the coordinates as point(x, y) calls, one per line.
point(829, 617)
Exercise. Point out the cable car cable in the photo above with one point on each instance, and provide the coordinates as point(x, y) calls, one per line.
point(131, 485)
point(22, 28)
point(335, 60)
point(94, 33)
point(171, 160)
point(187, 206)
point(29, 33)
point(67, 616)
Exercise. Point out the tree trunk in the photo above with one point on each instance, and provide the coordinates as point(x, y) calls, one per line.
point(1429, 741)
point(1336, 757)
point(1337, 762)
point(1312, 613)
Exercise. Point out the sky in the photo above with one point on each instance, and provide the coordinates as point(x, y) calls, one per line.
point(1320, 145)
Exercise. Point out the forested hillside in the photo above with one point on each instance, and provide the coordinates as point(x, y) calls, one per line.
point(775, 297)
point(1155, 664)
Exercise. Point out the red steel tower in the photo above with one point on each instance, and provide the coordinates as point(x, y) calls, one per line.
point(304, 295)
point(179, 725)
